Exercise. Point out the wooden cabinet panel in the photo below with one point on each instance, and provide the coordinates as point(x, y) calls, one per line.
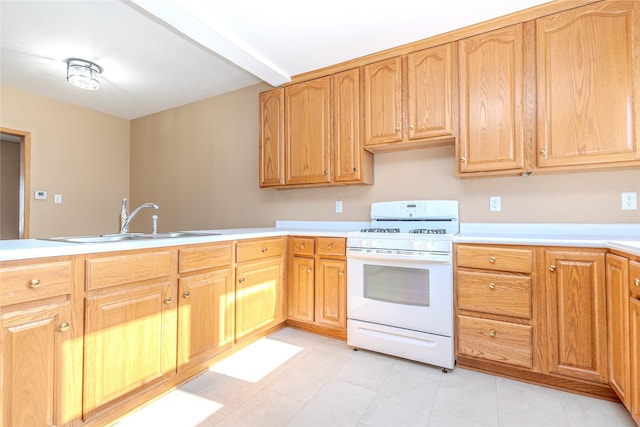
point(250, 250)
point(588, 68)
point(201, 257)
point(634, 276)
point(29, 281)
point(205, 319)
point(383, 101)
point(303, 246)
point(331, 246)
point(130, 341)
point(576, 310)
point(491, 90)
point(501, 294)
point(308, 132)
point(495, 340)
point(272, 138)
point(301, 289)
point(331, 293)
point(495, 258)
point(429, 87)
point(33, 342)
point(112, 270)
point(259, 296)
point(618, 325)
point(634, 351)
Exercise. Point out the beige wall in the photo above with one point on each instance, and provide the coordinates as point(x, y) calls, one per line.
point(199, 162)
point(76, 152)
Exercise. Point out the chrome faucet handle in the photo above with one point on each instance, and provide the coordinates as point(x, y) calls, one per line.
point(154, 226)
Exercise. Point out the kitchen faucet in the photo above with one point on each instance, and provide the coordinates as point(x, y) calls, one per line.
point(125, 218)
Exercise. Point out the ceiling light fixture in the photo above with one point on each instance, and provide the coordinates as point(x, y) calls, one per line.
point(83, 74)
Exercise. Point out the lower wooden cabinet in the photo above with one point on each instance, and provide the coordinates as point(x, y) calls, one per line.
point(331, 293)
point(634, 347)
point(618, 325)
point(574, 280)
point(34, 342)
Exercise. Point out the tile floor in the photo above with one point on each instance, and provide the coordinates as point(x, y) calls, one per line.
point(294, 378)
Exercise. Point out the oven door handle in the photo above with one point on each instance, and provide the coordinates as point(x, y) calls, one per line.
point(390, 255)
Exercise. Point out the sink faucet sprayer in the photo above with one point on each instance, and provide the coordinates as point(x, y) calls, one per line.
point(125, 218)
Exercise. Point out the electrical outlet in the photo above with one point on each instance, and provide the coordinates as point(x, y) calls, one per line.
point(57, 199)
point(629, 201)
point(338, 206)
point(495, 204)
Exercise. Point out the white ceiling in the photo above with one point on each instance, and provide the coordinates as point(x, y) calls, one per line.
point(159, 54)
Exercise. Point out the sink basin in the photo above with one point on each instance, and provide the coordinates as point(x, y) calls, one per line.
point(120, 237)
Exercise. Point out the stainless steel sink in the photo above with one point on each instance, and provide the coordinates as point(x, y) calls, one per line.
point(120, 237)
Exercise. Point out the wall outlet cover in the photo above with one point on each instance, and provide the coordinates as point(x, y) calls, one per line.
point(495, 204)
point(629, 201)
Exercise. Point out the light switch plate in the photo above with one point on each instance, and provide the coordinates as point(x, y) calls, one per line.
point(57, 198)
point(338, 206)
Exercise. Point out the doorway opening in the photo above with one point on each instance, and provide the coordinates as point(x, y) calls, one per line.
point(15, 162)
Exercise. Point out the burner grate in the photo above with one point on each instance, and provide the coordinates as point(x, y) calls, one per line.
point(380, 230)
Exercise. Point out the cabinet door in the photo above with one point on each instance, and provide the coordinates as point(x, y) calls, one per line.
point(301, 289)
point(129, 341)
point(331, 293)
point(429, 75)
point(634, 351)
point(272, 138)
point(33, 343)
point(383, 101)
point(618, 325)
point(491, 87)
point(587, 78)
point(259, 297)
point(347, 137)
point(308, 132)
point(576, 310)
point(205, 316)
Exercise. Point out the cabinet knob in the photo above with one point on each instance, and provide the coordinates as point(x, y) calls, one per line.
point(492, 333)
point(34, 283)
point(341, 273)
point(411, 127)
point(325, 171)
point(330, 246)
point(264, 249)
point(241, 280)
point(168, 300)
point(636, 282)
point(302, 246)
point(463, 158)
point(492, 259)
point(552, 267)
point(187, 294)
point(308, 270)
point(397, 128)
point(64, 327)
point(492, 285)
point(543, 151)
point(355, 169)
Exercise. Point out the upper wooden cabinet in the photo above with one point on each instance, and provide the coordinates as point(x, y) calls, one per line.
point(272, 138)
point(588, 84)
point(308, 132)
point(492, 111)
point(408, 100)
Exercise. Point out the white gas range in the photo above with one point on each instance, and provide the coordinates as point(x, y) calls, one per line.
point(400, 281)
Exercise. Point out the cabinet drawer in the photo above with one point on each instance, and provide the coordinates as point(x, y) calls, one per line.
point(31, 281)
point(199, 258)
point(493, 258)
point(494, 340)
point(303, 246)
point(495, 293)
point(634, 278)
point(258, 249)
point(120, 269)
point(331, 246)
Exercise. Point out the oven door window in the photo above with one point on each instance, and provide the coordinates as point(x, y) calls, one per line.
point(399, 285)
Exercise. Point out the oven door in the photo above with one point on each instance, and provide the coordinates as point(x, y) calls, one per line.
point(397, 289)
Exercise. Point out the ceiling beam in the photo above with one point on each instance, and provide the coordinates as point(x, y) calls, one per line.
point(217, 40)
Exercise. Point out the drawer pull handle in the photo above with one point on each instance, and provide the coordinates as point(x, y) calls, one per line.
point(187, 294)
point(552, 267)
point(168, 300)
point(330, 246)
point(492, 333)
point(264, 249)
point(636, 282)
point(241, 280)
point(492, 285)
point(308, 270)
point(64, 327)
point(492, 259)
point(341, 273)
point(34, 283)
point(302, 246)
